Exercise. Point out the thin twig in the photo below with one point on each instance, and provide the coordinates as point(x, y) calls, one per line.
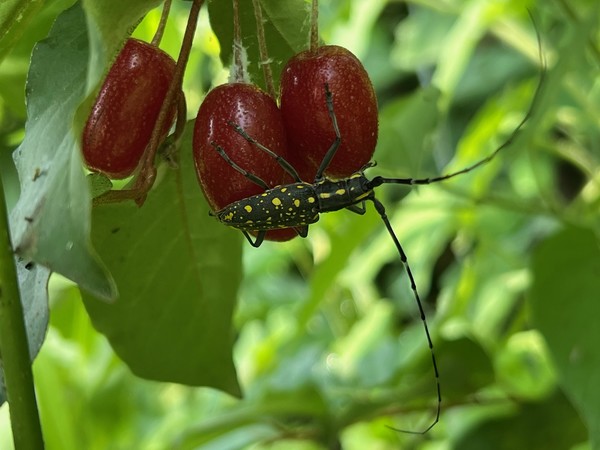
point(161, 25)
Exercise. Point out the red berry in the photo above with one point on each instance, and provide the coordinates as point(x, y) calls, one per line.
point(308, 126)
point(121, 122)
point(256, 112)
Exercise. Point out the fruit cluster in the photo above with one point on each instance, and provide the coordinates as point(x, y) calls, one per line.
point(300, 131)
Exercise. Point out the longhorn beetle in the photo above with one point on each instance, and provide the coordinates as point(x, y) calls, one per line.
point(297, 205)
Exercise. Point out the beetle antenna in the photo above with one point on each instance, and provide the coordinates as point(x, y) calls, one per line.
point(413, 285)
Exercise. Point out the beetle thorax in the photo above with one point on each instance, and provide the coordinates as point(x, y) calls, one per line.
point(335, 195)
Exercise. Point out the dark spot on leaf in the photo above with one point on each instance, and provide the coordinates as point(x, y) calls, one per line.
point(38, 173)
point(29, 265)
point(29, 219)
point(115, 230)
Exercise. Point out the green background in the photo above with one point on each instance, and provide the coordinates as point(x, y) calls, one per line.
point(322, 336)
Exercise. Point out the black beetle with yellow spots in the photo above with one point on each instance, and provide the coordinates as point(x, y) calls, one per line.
point(297, 205)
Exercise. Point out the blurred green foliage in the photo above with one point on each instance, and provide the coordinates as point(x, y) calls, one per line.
point(329, 348)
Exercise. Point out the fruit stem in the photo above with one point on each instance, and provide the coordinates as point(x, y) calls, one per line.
point(174, 91)
point(168, 149)
point(161, 25)
point(181, 118)
point(238, 72)
point(18, 377)
point(147, 175)
point(314, 27)
point(265, 62)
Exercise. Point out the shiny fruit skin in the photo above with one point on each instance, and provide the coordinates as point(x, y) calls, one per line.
point(120, 125)
point(308, 126)
point(257, 113)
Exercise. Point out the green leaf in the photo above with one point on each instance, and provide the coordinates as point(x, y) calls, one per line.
point(550, 425)
point(524, 368)
point(17, 40)
point(252, 421)
point(464, 368)
point(564, 300)
point(325, 273)
point(178, 272)
point(50, 223)
point(14, 17)
point(289, 18)
point(407, 127)
point(286, 32)
point(419, 39)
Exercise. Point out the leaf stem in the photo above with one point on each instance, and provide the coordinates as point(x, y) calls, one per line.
point(14, 348)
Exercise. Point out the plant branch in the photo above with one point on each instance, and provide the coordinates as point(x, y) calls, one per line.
point(14, 348)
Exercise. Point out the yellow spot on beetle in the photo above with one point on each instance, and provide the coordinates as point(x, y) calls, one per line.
point(297, 203)
point(311, 199)
point(248, 208)
point(228, 217)
point(283, 189)
point(325, 195)
point(340, 191)
point(276, 201)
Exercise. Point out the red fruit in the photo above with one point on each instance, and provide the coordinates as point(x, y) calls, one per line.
point(256, 112)
point(121, 122)
point(308, 126)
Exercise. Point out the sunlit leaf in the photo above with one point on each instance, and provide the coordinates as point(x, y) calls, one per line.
point(14, 18)
point(564, 299)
